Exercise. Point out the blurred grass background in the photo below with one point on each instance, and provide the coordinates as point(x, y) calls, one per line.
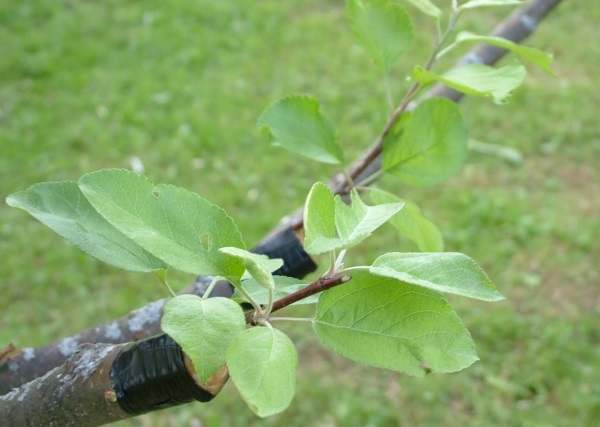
point(86, 85)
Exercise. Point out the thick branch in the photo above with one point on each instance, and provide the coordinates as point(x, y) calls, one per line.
point(30, 363)
point(103, 383)
point(79, 391)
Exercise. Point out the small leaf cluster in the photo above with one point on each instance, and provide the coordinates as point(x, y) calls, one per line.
point(390, 314)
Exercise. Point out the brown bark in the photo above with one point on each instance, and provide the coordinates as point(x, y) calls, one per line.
point(30, 363)
point(79, 391)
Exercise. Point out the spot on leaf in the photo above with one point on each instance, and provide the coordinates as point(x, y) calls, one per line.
point(206, 241)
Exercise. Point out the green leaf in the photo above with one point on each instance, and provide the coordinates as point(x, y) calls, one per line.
point(382, 28)
point(203, 328)
point(432, 145)
point(411, 223)
point(262, 363)
point(356, 222)
point(330, 224)
point(477, 79)
point(319, 220)
point(62, 207)
point(427, 7)
point(175, 225)
point(449, 272)
point(393, 325)
point(283, 287)
point(255, 265)
point(535, 56)
point(296, 123)
point(472, 4)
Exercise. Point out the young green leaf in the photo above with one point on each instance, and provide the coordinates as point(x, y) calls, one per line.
point(255, 265)
point(393, 325)
point(382, 28)
point(427, 7)
point(319, 220)
point(330, 224)
point(296, 123)
point(477, 79)
point(472, 4)
point(62, 207)
point(432, 145)
point(449, 272)
point(535, 56)
point(356, 222)
point(203, 328)
point(283, 287)
point(262, 363)
point(176, 225)
point(411, 222)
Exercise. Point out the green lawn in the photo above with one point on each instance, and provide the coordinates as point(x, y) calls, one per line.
point(86, 85)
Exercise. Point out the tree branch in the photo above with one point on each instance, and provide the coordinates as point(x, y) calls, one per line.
point(80, 391)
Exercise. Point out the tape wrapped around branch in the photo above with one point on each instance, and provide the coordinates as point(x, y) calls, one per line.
point(155, 374)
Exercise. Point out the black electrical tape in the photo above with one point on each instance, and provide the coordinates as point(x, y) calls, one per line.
point(152, 375)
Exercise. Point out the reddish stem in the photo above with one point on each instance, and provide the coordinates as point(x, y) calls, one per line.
point(319, 285)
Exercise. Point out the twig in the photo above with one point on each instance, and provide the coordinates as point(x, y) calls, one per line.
point(319, 285)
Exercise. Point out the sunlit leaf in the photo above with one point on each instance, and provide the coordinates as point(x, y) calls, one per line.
point(389, 324)
point(203, 328)
point(357, 221)
point(262, 363)
point(255, 265)
point(175, 225)
point(431, 146)
point(535, 56)
point(472, 4)
point(296, 123)
point(448, 272)
point(382, 27)
point(330, 224)
point(411, 222)
point(427, 7)
point(477, 79)
point(63, 207)
point(319, 220)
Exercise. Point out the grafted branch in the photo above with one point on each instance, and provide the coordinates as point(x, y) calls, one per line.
point(75, 381)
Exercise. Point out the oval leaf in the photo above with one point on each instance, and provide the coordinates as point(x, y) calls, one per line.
point(262, 363)
point(319, 220)
point(477, 79)
point(203, 328)
point(411, 222)
point(472, 4)
point(449, 272)
point(331, 224)
point(432, 145)
point(358, 221)
point(256, 265)
point(393, 325)
point(297, 124)
point(427, 7)
point(176, 225)
point(63, 207)
point(535, 56)
point(381, 27)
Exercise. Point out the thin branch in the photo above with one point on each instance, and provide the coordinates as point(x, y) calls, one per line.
point(319, 285)
point(64, 388)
